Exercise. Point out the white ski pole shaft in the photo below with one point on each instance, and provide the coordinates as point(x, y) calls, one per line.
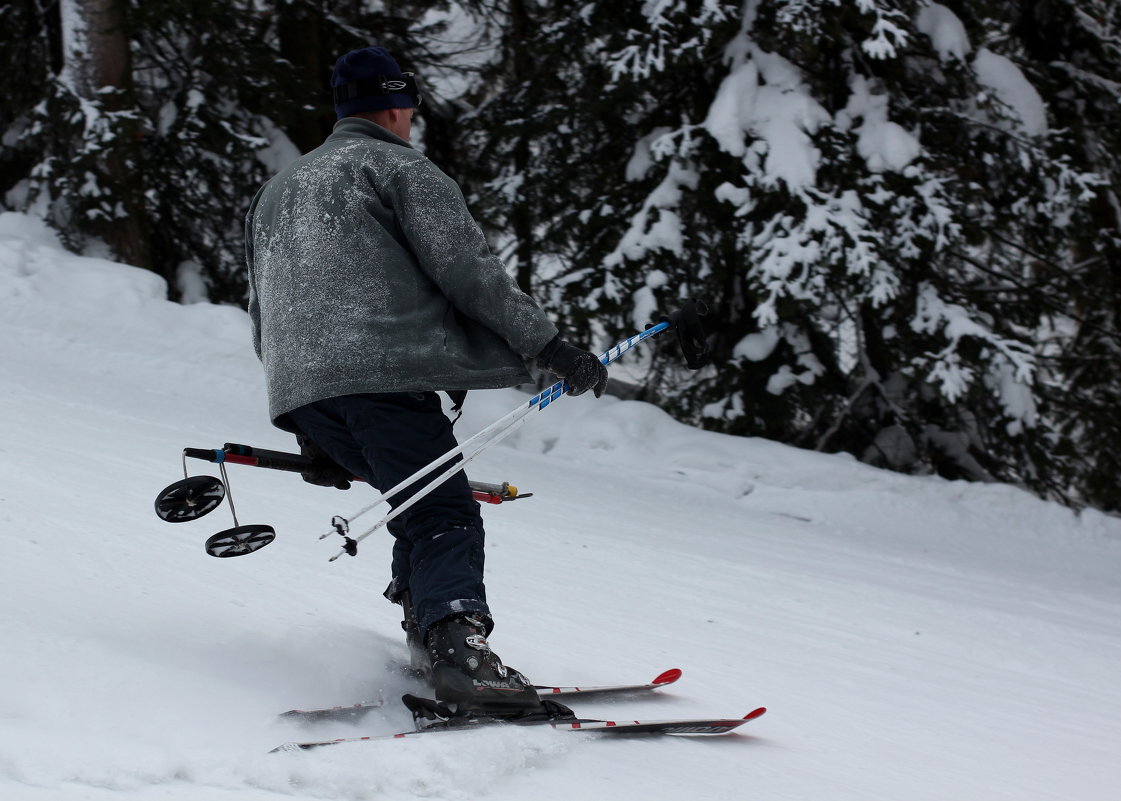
point(493, 433)
point(480, 439)
point(424, 491)
point(539, 401)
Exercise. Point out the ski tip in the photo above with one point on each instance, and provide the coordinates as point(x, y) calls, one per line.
point(755, 713)
point(669, 677)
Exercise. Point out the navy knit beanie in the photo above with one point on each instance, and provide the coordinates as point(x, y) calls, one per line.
point(359, 70)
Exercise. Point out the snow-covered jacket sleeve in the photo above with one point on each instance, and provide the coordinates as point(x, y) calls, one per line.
point(452, 251)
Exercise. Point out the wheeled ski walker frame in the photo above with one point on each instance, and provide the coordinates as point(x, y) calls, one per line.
point(195, 496)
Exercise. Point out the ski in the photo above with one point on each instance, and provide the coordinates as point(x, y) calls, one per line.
point(662, 680)
point(679, 727)
point(352, 712)
point(357, 711)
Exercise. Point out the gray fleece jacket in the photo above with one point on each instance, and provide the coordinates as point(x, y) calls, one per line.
point(367, 273)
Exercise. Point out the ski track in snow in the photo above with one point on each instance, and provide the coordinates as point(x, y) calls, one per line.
point(913, 638)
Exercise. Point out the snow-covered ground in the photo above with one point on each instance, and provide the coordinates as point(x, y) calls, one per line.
point(913, 638)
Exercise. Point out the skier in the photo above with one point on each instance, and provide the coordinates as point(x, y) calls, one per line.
point(371, 287)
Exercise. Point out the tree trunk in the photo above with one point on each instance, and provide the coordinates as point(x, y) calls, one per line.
point(97, 59)
point(300, 34)
point(522, 215)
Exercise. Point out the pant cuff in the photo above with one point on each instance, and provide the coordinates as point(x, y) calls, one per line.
point(437, 612)
point(394, 591)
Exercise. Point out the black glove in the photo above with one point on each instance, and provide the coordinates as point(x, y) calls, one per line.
point(324, 471)
point(580, 369)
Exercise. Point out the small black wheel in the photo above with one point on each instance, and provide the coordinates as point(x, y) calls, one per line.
point(239, 541)
point(190, 499)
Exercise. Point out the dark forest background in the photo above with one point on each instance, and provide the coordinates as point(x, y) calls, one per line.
point(906, 216)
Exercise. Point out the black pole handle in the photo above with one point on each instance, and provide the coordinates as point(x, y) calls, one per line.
point(686, 322)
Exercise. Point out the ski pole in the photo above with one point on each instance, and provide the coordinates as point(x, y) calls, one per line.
point(479, 439)
point(483, 437)
point(493, 433)
point(352, 543)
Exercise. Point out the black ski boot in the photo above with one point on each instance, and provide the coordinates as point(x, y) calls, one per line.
point(468, 674)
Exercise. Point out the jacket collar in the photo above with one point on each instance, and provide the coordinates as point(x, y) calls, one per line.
point(358, 128)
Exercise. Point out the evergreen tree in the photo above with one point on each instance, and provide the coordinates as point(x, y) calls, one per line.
point(84, 119)
point(208, 102)
point(1073, 54)
point(32, 47)
point(896, 232)
point(904, 214)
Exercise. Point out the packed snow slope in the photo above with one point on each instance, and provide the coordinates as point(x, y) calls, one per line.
point(913, 638)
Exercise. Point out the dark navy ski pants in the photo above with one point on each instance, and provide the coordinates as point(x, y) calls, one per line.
point(384, 438)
